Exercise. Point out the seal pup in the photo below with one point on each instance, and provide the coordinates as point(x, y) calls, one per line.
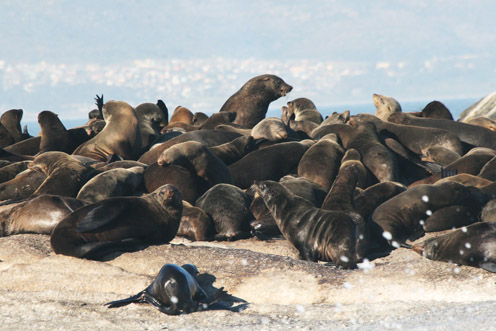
point(119, 223)
point(301, 109)
point(317, 234)
point(251, 101)
point(121, 135)
point(38, 215)
point(385, 106)
point(229, 208)
point(474, 245)
point(181, 114)
point(175, 290)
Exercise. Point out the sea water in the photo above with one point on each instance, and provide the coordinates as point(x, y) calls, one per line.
point(456, 106)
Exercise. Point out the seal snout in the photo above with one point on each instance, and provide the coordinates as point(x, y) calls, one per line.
point(286, 89)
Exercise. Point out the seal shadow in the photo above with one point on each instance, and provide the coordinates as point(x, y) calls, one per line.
point(227, 301)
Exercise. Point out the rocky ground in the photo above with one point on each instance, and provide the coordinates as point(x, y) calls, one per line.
point(41, 290)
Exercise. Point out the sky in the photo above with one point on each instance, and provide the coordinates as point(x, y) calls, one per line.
point(58, 55)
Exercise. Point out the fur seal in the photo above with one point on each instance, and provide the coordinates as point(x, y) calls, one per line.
point(54, 136)
point(197, 158)
point(196, 225)
point(470, 163)
point(385, 106)
point(375, 156)
point(488, 171)
point(436, 109)
point(206, 137)
point(402, 217)
point(112, 183)
point(272, 163)
point(301, 109)
point(234, 150)
point(38, 215)
point(119, 223)
point(175, 290)
point(229, 208)
point(440, 155)
point(188, 183)
point(11, 121)
point(317, 234)
point(65, 174)
point(482, 121)
point(121, 135)
point(252, 100)
point(473, 245)
point(469, 134)
point(151, 122)
point(22, 186)
point(373, 196)
point(9, 171)
point(321, 161)
point(264, 226)
point(272, 129)
point(181, 114)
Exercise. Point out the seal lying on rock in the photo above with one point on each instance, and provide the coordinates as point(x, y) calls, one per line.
point(175, 290)
point(119, 223)
point(474, 245)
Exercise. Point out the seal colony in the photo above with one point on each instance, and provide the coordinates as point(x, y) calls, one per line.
point(341, 189)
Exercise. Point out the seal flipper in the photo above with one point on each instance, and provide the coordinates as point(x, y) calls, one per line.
point(98, 250)
point(488, 266)
point(138, 298)
point(169, 310)
point(100, 216)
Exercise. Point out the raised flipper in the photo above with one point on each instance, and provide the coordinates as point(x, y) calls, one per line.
point(99, 104)
point(138, 298)
point(101, 215)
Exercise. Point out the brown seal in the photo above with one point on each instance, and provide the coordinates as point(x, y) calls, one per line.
point(112, 183)
point(188, 183)
point(196, 225)
point(321, 161)
point(317, 234)
point(229, 208)
point(252, 100)
point(37, 215)
point(175, 290)
point(473, 245)
point(385, 106)
point(65, 173)
point(234, 150)
point(436, 109)
point(402, 217)
point(120, 136)
point(181, 114)
point(119, 223)
point(482, 121)
point(22, 186)
point(54, 136)
point(151, 122)
point(197, 158)
point(9, 171)
point(301, 109)
point(11, 121)
point(206, 137)
point(272, 163)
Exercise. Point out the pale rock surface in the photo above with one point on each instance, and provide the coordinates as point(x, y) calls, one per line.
point(42, 290)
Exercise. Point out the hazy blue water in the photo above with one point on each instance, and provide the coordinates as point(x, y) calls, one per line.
point(456, 106)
